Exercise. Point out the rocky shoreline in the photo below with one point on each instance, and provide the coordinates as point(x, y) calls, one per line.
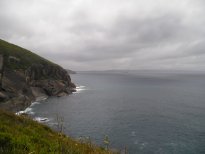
point(20, 87)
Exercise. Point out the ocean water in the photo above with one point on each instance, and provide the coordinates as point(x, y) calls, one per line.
point(146, 112)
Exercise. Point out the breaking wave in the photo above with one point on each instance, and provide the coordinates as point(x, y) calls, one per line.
point(41, 119)
point(80, 89)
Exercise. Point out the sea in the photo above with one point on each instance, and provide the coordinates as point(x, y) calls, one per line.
point(141, 112)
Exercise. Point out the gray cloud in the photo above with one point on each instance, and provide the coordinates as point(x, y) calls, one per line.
point(109, 34)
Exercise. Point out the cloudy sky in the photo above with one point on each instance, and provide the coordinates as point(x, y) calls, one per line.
point(109, 34)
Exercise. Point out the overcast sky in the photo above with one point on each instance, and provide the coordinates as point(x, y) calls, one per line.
point(109, 34)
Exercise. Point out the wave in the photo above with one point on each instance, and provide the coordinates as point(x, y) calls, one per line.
point(41, 119)
point(141, 145)
point(34, 103)
point(41, 98)
point(80, 88)
point(28, 110)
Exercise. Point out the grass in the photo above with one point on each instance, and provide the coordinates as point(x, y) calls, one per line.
point(27, 58)
point(22, 135)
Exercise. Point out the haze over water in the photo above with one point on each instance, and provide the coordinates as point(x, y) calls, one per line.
point(148, 112)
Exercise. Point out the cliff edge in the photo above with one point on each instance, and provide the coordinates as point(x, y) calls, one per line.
point(26, 77)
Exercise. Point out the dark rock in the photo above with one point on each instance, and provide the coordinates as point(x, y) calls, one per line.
point(51, 78)
point(16, 103)
point(37, 82)
point(3, 96)
point(39, 72)
point(62, 94)
point(51, 87)
point(39, 93)
point(25, 77)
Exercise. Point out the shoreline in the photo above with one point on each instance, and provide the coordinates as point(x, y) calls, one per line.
point(37, 101)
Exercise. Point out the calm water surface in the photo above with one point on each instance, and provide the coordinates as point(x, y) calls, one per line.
point(162, 113)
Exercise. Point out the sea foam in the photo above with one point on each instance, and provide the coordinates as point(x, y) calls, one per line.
point(80, 88)
point(28, 110)
point(41, 119)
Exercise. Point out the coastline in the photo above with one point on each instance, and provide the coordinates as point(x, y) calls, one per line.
point(27, 109)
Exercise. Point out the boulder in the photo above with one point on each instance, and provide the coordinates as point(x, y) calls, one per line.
point(39, 93)
point(16, 103)
point(3, 96)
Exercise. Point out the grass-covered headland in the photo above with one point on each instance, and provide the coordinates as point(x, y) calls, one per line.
point(26, 57)
point(22, 135)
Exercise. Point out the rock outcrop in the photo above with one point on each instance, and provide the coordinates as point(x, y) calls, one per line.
point(1, 69)
point(54, 80)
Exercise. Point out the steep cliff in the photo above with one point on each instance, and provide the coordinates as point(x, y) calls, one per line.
point(25, 77)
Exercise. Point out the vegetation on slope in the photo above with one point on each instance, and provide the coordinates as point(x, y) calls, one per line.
point(21, 135)
point(27, 58)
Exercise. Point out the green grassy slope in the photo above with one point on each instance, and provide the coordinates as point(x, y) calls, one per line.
point(21, 135)
point(26, 57)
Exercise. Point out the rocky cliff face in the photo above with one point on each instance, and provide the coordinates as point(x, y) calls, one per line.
point(54, 80)
point(19, 87)
point(39, 71)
